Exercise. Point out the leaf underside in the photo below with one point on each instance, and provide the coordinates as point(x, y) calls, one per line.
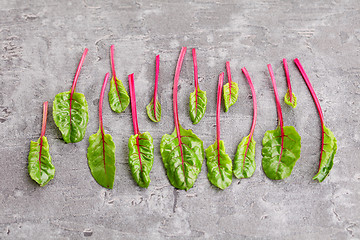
point(276, 165)
point(47, 172)
point(101, 158)
point(154, 116)
point(219, 175)
point(140, 172)
point(118, 98)
point(328, 154)
point(230, 98)
point(244, 162)
point(197, 105)
point(182, 173)
point(72, 130)
point(287, 99)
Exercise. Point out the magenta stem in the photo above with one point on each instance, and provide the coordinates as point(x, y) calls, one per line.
point(133, 103)
point(254, 100)
point(101, 102)
point(175, 88)
point(313, 94)
point(112, 61)
point(195, 70)
point(228, 71)
point(218, 107)
point(278, 106)
point(288, 78)
point(156, 83)
point(78, 71)
point(45, 111)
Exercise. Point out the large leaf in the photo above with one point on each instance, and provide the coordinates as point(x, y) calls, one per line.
point(71, 118)
point(183, 160)
point(118, 96)
point(327, 154)
point(288, 100)
point(280, 153)
point(141, 157)
point(219, 165)
point(231, 91)
point(40, 167)
point(154, 111)
point(197, 105)
point(101, 158)
point(244, 162)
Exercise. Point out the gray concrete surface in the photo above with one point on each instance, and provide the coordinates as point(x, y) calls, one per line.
point(41, 44)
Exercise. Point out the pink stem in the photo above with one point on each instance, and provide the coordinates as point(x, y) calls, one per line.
point(101, 102)
point(78, 71)
point(278, 106)
point(156, 83)
point(307, 81)
point(175, 88)
point(112, 61)
point(218, 107)
point(228, 71)
point(288, 78)
point(45, 110)
point(195, 70)
point(133, 103)
point(254, 100)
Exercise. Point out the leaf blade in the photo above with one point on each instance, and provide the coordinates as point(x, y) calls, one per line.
point(288, 101)
point(244, 161)
point(154, 113)
point(118, 97)
point(197, 105)
point(231, 92)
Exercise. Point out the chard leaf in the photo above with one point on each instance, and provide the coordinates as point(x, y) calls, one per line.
point(154, 111)
point(118, 96)
point(141, 157)
point(280, 152)
point(219, 165)
point(244, 162)
point(198, 101)
point(329, 147)
point(71, 116)
point(288, 100)
point(231, 90)
point(182, 153)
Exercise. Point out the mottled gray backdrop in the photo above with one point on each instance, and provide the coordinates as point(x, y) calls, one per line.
point(41, 43)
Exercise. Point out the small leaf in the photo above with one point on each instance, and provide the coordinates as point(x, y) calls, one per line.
point(197, 105)
point(287, 99)
point(101, 158)
point(71, 120)
point(280, 153)
point(141, 157)
point(182, 161)
point(231, 91)
point(327, 155)
point(244, 162)
point(118, 96)
point(154, 113)
point(39, 155)
point(219, 165)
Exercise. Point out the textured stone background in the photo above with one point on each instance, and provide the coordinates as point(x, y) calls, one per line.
point(41, 44)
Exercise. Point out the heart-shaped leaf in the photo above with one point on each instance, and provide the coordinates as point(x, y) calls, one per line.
point(231, 90)
point(154, 111)
point(291, 102)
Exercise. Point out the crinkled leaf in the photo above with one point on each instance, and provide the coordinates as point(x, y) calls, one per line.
point(328, 154)
point(182, 161)
point(219, 165)
point(118, 96)
point(72, 129)
point(101, 158)
point(43, 174)
point(154, 113)
point(141, 157)
point(230, 94)
point(279, 159)
point(287, 99)
point(197, 105)
point(244, 162)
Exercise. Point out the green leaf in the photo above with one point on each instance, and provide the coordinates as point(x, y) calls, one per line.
point(141, 157)
point(154, 114)
point(182, 161)
point(279, 159)
point(118, 96)
point(219, 165)
point(327, 155)
point(39, 155)
point(72, 128)
point(231, 92)
point(197, 105)
point(101, 158)
point(287, 99)
point(244, 162)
